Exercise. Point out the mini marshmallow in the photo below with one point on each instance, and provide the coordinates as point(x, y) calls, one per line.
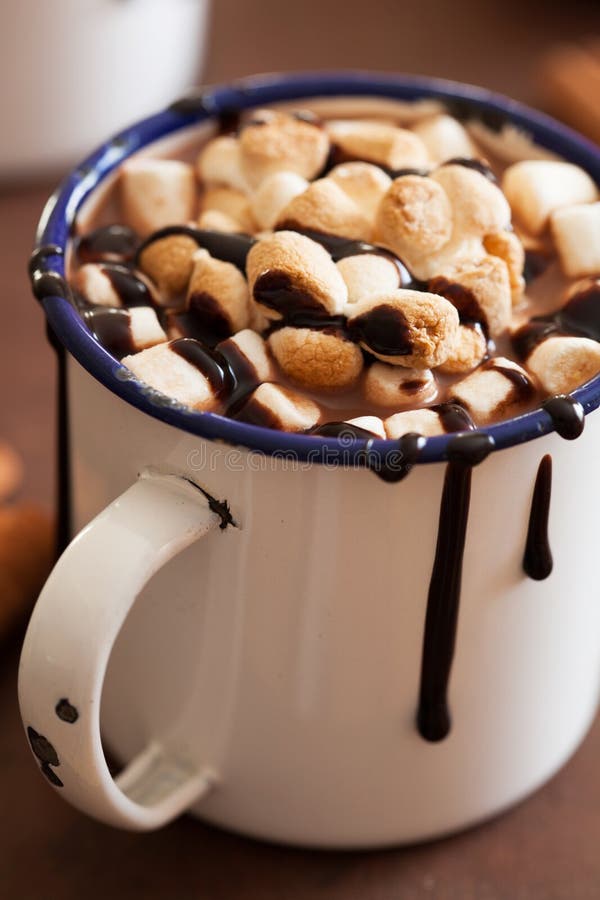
point(397, 386)
point(215, 220)
point(369, 423)
point(250, 349)
point(123, 331)
point(576, 232)
point(444, 138)
point(288, 272)
point(274, 406)
point(427, 422)
point(366, 274)
point(316, 360)
point(414, 219)
point(219, 163)
point(562, 364)
point(326, 208)
point(169, 263)
point(279, 142)
point(478, 205)
point(508, 247)
point(407, 328)
point(218, 294)
point(379, 143)
point(537, 188)
point(114, 285)
point(233, 203)
point(480, 292)
point(364, 183)
point(469, 351)
point(156, 193)
point(167, 371)
point(495, 390)
point(274, 194)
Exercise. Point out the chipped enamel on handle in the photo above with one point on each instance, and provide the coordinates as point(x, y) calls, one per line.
point(68, 644)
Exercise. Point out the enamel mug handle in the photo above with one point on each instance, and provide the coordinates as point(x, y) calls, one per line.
point(68, 644)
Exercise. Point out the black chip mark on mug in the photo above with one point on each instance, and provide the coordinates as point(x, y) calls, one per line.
point(220, 507)
point(66, 711)
point(47, 755)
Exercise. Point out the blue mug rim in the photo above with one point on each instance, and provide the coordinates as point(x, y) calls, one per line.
point(57, 220)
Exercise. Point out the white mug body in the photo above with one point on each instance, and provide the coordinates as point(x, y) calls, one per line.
point(285, 653)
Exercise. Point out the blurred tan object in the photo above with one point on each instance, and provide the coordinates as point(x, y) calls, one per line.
point(26, 557)
point(11, 472)
point(569, 81)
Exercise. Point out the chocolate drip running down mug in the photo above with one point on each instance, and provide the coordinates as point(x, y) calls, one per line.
point(273, 636)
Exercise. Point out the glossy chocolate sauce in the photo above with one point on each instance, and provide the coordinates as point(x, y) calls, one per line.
point(384, 330)
point(111, 243)
point(396, 465)
point(465, 301)
point(231, 248)
point(478, 165)
point(276, 290)
point(433, 715)
point(579, 317)
point(210, 363)
point(129, 287)
point(524, 389)
point(112, 328)
point(567, 416)
point(537, 561)
point(341, 248)
point(453, 416)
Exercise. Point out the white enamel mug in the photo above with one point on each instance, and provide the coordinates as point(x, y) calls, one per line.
point(241, 614)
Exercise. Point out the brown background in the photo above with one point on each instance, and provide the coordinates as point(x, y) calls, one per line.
point(546, 848)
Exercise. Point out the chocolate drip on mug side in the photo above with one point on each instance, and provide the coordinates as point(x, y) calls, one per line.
point(567, 416)
point(395, 466)
point(433, 715)
point(537, 561)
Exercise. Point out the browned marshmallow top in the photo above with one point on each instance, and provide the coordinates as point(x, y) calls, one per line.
point(297, 272)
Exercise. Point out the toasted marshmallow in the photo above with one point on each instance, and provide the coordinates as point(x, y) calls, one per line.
point(537, 188)
point(169, 263)
point(220, 163)
point(496, 389)
point(278, 142)
point(414, 219)
point(215, 220)
point(326, 208)
point(508, 247)
point(364, 183)
point(316, 360)
point(366, 274)
point(576, 232)
point(562, 364)
point(478, 206)
point(246, 352)
point(406, 328)
point(444, 138)
point(165, 369)
point(114, 285)
point(397, 386)
point(274, 406)
point(427, 422)
point(274, 194)
point(156, 193)
point(124, 331)
point(379, 143)
point(480, 292)
point(233, 203)
point(218, 293)
point(288, 272)
point(369, 423)
point(469, 351)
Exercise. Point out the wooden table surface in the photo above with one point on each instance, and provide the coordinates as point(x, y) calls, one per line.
point(544, 849)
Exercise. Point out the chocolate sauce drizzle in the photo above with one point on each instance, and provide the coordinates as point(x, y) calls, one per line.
point(341, 248)
point(231, 248)
point(395, 466)
point(433, 715)
point(580, 317)
point(111, 243)
point(537, 561)
point(567, 416)
point(478, 165)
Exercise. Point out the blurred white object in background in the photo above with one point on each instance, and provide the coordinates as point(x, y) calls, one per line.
point(74, 71)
